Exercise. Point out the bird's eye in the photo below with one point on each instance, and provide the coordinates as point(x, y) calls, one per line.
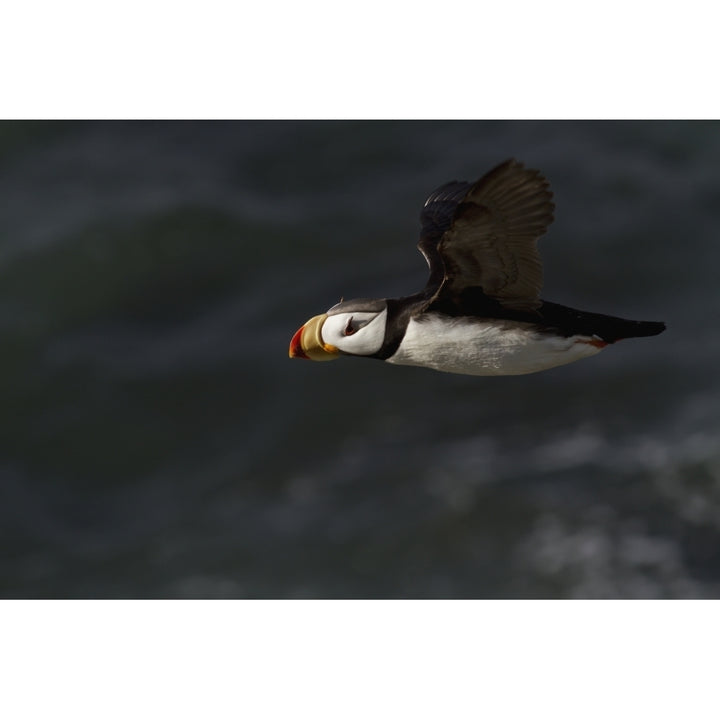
point(349, 329)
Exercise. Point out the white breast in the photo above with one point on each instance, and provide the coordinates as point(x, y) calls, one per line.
point(474, 347)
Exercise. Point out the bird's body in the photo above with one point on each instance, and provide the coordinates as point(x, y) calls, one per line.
point(480, 312)
point(473, 346)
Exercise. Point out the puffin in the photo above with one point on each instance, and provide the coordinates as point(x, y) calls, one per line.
point(480, 312)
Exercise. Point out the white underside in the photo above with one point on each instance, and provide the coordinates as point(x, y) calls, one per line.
point(472, 347)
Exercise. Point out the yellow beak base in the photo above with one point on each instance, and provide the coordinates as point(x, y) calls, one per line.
point(308, 343)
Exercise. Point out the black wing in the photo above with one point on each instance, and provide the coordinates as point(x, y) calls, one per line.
point(484, 236)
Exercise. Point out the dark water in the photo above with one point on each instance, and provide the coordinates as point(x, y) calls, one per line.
point(156, 441)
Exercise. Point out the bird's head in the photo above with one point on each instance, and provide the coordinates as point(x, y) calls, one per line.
point(352, 327)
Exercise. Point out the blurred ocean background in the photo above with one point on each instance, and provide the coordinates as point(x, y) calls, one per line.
point(157, 442)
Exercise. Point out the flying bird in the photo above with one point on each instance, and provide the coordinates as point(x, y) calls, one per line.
point(480, 312)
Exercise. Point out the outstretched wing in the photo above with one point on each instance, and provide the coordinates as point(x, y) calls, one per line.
point(484, 236)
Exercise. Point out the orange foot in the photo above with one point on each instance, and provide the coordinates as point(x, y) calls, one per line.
point(597, 342)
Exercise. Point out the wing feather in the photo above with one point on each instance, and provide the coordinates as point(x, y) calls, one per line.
point(484, 235)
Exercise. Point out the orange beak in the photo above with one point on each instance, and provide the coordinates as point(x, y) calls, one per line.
point(307, 342)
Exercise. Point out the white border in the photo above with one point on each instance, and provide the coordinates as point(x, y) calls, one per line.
point(390, 59)
point(353, 659)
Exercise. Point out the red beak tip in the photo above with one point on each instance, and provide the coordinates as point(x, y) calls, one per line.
point(296, 350)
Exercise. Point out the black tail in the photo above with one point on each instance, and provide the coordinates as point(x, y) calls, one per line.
point(609, 328)
point(620, 329)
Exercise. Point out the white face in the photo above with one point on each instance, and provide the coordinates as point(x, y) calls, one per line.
point(357, 333)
